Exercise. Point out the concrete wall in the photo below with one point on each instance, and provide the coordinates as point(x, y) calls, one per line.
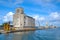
point(29, 22)
point(21, 20)
point(18, 18)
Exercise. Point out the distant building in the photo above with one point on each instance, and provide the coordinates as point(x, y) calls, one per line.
point(46, 25)
point(21, 20)
point(52, 26)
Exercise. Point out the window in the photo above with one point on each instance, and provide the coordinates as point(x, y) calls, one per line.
point(21, 24)
point(24, 16)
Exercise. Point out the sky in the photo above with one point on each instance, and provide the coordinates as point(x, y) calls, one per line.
point(42, 10)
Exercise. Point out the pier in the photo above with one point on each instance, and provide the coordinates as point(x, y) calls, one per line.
point(12, 30)
point(20, 30)
point(8, 29)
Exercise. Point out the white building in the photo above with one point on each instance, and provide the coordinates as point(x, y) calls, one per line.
point(46, 25)
point(20, 20)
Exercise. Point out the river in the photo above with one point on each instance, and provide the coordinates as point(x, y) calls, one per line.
point(48, 34)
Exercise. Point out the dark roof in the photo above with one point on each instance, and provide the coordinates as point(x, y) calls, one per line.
point(30, 17)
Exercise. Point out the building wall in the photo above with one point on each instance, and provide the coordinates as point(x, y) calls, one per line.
point(29, 22)
point(21, 20)
point(18, 18)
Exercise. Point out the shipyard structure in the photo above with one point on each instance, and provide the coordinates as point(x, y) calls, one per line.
point(21, 20)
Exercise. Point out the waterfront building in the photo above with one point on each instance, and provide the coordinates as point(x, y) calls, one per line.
point(52, 26)
point(21, 20)
point(46, 25)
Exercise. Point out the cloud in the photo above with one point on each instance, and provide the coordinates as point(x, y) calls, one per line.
point(54, 15)
point(36, 17)
point(18, 2)
point(42, 18)
point(42, 2)
point(53, 18)
point(8, 17)
point(44, 6)
point(39, 18)
point(11, 3)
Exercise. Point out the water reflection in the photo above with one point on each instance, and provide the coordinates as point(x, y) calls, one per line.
point(6, 36)
point(50, 34)
point(23, 35)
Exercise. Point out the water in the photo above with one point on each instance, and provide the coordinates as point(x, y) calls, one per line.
point(49, 34)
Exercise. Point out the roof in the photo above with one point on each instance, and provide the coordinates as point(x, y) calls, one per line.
point(30, 17)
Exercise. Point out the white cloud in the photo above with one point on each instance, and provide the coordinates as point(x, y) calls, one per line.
point(42, 2)
point(36, 17)
point(11, 3)
point(8, 17)
point(42, 18)
point(18, 2)
point(39, 18)
point(54, 15)
point(53, 18)
point(45, 6)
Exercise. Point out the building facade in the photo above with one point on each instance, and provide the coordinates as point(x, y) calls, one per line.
point(21, 20)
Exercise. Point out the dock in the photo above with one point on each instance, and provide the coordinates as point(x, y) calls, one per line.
point(23, 30)
point(20, 30)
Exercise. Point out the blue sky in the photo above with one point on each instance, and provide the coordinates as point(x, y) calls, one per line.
point(42, 10)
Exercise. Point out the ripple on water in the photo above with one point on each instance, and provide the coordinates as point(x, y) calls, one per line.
point(50, 34)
